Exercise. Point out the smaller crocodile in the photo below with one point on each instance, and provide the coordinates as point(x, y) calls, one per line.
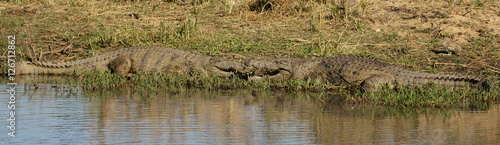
point(135, 59)
point(352, 70)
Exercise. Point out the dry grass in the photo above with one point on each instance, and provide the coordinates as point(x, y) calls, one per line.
point(400, 32)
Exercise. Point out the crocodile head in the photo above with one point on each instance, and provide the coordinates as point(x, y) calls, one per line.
point(223, 67)
point(276, 69)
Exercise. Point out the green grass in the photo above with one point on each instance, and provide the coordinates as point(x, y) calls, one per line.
point(430, 95)
point(102, 80)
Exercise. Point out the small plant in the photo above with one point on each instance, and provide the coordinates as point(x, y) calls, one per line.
point(478, 4)
point(346, 10)
point(336, 13)
point(314, 24)
point(187, 28)
point(388, 37)
point(228, 6)
point(363, 5)
point(361, 26)
point(451, 4)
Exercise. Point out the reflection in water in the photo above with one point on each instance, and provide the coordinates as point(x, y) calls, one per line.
point(194, 116)
point(203, 117)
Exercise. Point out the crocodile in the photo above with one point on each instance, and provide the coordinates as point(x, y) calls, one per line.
point(351, 70)
point(134, 59)
point(370, 74)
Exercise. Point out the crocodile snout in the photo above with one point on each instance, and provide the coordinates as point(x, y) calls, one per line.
point(278, 69)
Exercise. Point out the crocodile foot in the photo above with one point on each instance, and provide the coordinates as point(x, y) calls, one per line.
point(121, 65)
point(375, 82)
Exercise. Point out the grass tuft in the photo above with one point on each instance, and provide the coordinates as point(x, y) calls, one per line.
point(430, 95)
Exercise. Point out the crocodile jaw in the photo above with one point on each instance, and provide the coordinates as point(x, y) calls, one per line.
point(278, 69)
point(274, 75)
point(224, 68)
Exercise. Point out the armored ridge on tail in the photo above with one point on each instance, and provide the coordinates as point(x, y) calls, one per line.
point(134, 59)
point(372, 74)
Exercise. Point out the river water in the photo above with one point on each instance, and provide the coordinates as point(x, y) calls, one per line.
point(58, 116)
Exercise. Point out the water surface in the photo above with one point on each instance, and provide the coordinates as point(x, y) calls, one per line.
point(50, 115)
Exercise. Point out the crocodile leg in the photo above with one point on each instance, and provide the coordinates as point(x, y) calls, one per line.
point(375, 82)
point(121, 65)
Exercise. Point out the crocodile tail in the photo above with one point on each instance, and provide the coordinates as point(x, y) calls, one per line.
point(45, 64)
point(26, 67)
point(60, 68)
point(454, 80)
point(21, 68)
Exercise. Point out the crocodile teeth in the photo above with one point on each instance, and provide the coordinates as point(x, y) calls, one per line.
point(255, 78)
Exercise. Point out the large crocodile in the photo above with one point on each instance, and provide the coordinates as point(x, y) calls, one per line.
point(352, 70)
point(134, 59)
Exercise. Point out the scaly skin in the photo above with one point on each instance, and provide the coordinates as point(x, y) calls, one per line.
point(370, 74)
point(352, 70)
point(134, 59)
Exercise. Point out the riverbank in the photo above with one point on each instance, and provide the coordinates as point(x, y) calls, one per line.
point(401, 33)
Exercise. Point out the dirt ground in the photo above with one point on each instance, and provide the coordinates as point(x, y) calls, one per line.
point(406, 33)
